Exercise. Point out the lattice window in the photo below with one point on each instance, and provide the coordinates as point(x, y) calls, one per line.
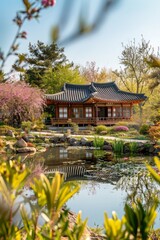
point(77, 112)
point(88, 112)
point(63, 113)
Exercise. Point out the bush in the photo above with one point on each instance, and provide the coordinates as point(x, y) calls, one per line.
point(5, 128)
point(26, 125)
point(121, 129)
point(129, 125)
point(154, 132)
point(144, 129)
point(101, 128)
point(75, 127)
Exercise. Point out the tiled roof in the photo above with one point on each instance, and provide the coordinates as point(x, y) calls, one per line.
point(100, 91)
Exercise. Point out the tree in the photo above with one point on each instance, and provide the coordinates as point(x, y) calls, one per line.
point(134, 74)
point(40, 59)
point(20, 102)
point(154, 63)
point(92, 73)
point(53, 81)
point(47, 67)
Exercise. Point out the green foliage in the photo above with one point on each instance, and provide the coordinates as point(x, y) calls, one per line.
point(139, 221)
point(98, 142)
point(74, 126)
point(100, 129)
point(34, 125)
point(5, 128)
point(26, 125)
point(133, 147)
point(54, 80)
point(114, 227)
point(153, 173)
point(118, 147)
point(51, 197)
point(144, 129)
point(48, 68)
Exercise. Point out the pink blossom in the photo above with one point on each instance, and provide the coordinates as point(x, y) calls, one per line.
point(48, 3)
point(20, 101)
point(121, 128)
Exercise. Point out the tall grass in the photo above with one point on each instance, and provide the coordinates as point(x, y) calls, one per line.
point(133, 147)
point(118, 147)
point(98, 142)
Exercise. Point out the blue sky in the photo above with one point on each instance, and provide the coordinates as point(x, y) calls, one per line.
point(129, 19)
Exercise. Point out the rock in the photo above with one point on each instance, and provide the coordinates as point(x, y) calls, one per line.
point(10, 133)
point(25, 138)
point(62, 139)
point(104, 133)
point(83, 141)
point(26, 150)
point(54, 140)
point(20, 143)
point(107, 148)
point(71, 141)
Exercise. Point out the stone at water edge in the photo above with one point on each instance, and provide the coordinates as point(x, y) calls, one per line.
point(20, 143)
point(26, 150)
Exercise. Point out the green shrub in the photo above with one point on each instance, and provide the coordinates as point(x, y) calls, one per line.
point(51, 198)
point(38, 124)
point(100, 129)
point(5, 128)
point(26, 125)
point(144, 129)
point(98, 142)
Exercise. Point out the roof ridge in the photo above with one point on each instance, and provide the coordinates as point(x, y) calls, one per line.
point(104, 83)
point(76, 84)
point(132, 93)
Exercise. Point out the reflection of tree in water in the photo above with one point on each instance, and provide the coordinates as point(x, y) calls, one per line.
point(90, 186)
point(140, 186)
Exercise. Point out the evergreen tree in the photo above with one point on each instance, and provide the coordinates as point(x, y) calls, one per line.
point(39, 61)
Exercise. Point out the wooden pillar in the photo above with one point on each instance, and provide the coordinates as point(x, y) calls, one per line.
point(56, 111)
point(130, 110)
point(84, 112)
point(122, 110)
point(69, 111)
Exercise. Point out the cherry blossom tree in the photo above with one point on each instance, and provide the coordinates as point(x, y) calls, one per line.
point(20, 102)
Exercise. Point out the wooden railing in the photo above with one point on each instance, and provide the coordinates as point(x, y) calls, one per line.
point(96, 120)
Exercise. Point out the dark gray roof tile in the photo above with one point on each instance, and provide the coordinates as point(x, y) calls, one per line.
point(104, 91)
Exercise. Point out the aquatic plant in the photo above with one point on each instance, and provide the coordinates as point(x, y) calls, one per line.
point(98, 142)
point(133, 147)
point(118, 147)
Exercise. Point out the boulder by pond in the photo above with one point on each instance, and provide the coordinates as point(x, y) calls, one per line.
point(26, 150)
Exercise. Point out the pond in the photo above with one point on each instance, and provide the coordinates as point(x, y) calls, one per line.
point(106, 180)
point(96, 198)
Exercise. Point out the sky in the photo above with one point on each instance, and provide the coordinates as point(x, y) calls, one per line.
point(127, 20)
